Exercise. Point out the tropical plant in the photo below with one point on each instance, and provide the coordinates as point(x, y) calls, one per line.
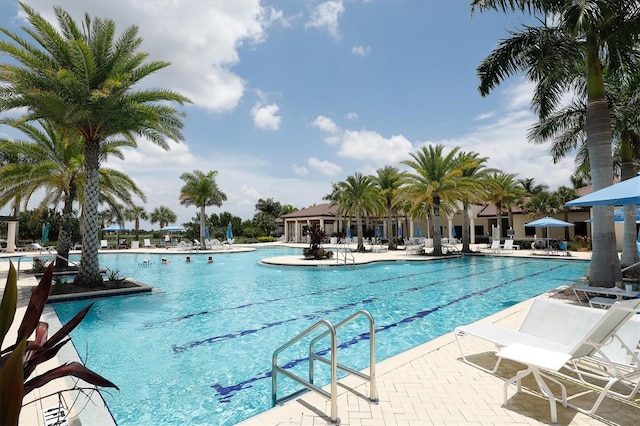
point(136, 213)
point(576, 43)
point(475, 173)
point(81, 78)
point(388, 180)
point(163, 216)
point(502, 189)
point(357, 196)
point(54, 165)
point(436, 183)
point(316, 237)
point(18, 362)
point(201, 190)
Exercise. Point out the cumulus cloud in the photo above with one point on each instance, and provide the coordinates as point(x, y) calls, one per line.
point(325, 124)
point(325, 16)
point(352, 116)
point(361, 50)
point(326, 168)
point(265, 116)
point(199, 39)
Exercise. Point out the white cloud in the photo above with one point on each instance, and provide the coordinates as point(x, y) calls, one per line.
point(300, 170)
point(361, 50)
point(374, 147)
point(485, 116)
point(326, 16)
point(352, 116)
point(326, 125)
point(324, 167)
point(200, 39)
point(265, 117)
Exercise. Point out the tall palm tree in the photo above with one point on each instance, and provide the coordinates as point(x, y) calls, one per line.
point(576, 42)
point(357, 196)
point(163, 216)
point(435, 182)
point(135, 213)
point(529, 185)
point(201, 190)
point(475, 172)
point(54, 164)
point(564, 194)
point(82, 78)
point(388, 180)
point(503, 190)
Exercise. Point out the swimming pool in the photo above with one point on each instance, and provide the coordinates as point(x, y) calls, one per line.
point(199, 352)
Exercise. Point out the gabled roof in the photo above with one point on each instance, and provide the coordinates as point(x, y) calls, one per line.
point(319, 210)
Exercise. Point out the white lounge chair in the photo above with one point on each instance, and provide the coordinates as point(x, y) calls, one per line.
point(197, 245)
point(508, 245)
point(494, 248)
point(146, 243)
point(40, 248)
point(550, 355)
point(104, 244)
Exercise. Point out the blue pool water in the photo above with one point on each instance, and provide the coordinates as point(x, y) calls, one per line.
point(199, 351)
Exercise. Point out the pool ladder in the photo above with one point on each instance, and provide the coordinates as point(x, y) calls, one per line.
point(343, 253)
point(333, 362)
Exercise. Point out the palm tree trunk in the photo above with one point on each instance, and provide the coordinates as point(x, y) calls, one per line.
point(465, 228)
point(360, 248)
point(390, 236)
point(202, 224)
point(629, 248)
point(89, 272)
point(64, 235)
point(437, 235)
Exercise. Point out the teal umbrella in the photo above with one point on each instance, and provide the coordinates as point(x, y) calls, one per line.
point(45, 232)
point(229, 232)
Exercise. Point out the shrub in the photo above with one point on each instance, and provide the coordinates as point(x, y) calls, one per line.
point(19, 361)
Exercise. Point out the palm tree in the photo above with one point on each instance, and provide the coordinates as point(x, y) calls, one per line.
point(503, 190)
point(356, 196)
point(586, 39)
point(163, 216)
point(564, 194)
point(135, 213)
point(388, 181)
point(475, 173)
point(436, 182)
point(532, 188)
point(53, 163)
point(82, 78)
point(201, 190)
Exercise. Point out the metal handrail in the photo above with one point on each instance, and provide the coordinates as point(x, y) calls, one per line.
point(333, 395)
point(372, 353)
point(333, 362)
point(344, 249)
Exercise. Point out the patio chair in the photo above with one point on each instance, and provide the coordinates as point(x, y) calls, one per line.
point(104, 244)
point(146, 243)
point(494, 248)
point(40, 248)
point(605, 332)
point(508, 245)
point(196, 244)
point(122, 243)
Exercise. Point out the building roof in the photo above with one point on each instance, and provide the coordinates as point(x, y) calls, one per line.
point(318, 210)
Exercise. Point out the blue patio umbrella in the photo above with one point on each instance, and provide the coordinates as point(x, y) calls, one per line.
point(45, 232)
point(378, 231)
point(418, 232)
point(173, 228)
point(548, 222)
point(229, 231)
point(620, 194)
point(399, 231)
point(116, 228)
point(206, 233)
point(453, 232)
point(348, 232)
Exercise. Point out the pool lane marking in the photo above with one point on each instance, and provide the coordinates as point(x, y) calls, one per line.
point(225, 393)
point(310, 316)
point(314, 293)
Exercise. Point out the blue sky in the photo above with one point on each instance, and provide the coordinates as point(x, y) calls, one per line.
point(290, 96)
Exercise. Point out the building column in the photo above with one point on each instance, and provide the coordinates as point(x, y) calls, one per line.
point(472, 230)
point(11, 237)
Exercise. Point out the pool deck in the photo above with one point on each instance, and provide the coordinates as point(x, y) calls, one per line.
point(427, 385)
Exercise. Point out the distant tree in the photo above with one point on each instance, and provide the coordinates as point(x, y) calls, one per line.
point(136, 213)
point(529, 185)
point(287, 208)
point(163, 216)
point(388, 180)
point(269, 206)
point(357, 196)
point(201, 190)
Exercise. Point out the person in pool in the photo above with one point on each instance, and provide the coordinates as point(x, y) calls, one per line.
point(188, 259)
point(164, 261)
point(210, 259)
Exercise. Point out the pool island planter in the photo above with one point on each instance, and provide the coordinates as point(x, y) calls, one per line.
point(137, 288)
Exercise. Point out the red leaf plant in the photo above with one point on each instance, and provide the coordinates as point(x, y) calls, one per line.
point(19, 361)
